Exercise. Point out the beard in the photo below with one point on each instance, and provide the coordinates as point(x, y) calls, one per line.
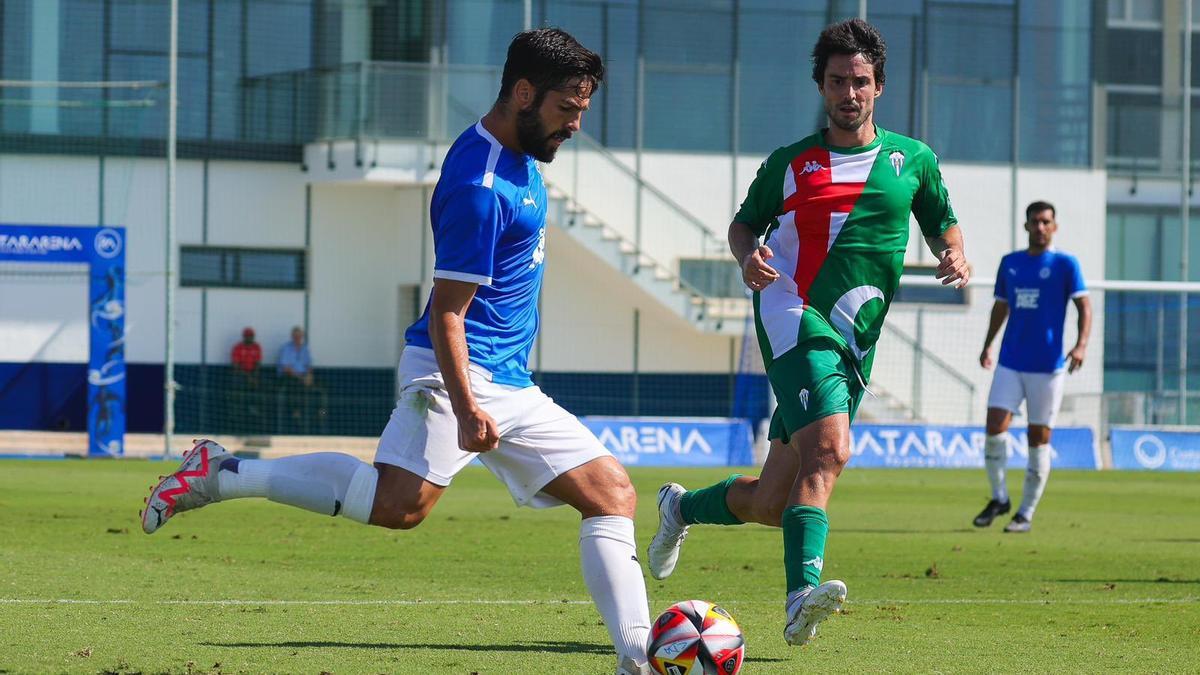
point(852, 124)
point(533, 137)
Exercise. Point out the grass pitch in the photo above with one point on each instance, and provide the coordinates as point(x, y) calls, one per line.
point(1108, 580)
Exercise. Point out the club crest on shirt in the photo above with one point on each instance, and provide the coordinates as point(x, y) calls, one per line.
point(1044, 273)
point(897, 158)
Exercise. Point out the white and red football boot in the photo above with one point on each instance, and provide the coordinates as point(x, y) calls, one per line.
point(193, 485)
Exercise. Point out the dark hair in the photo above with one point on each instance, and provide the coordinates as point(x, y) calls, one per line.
point(1038, 207)
point(549, 58)
point(853, 36)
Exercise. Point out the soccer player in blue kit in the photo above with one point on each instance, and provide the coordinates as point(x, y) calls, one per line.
point(1033, 287)
point(465, 386)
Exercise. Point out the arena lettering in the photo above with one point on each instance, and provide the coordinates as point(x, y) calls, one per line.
point(931, 443)
point(26, 245)
point(653, 440)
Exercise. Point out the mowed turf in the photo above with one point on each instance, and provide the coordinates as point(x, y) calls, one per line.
point(1108, 580)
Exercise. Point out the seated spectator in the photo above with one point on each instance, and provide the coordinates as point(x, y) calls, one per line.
point(294, 360)
point(245, 360)
point(300, 399)
point(247, 354)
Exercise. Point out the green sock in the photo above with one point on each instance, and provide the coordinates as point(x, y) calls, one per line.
point(707, 505)
point(804, 532)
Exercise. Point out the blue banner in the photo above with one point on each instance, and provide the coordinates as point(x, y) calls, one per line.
point(1150, 449)
point(918, 445)
point(669, 441)
point(103, 249)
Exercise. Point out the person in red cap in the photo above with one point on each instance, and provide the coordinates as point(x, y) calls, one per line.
point(246, 357)
point(247, 354)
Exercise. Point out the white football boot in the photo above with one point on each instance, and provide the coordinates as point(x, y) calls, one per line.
point(663, 552)
point(193, 485)
point(627, 666)
point(809, 607)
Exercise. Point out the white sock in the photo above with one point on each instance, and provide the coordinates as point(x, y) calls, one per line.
point(1035, 479)
point(323, 482)
point(614, 579)
point(995, 455)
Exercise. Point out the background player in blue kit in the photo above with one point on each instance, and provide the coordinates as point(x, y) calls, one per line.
point(465, 386)
point(1033, 288)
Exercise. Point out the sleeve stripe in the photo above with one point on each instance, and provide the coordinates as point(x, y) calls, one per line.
point(1079, 294)
point(1000, 299)
point(463, 276)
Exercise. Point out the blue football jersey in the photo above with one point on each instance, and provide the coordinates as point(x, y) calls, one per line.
point(489, 227)
point(1038, 289)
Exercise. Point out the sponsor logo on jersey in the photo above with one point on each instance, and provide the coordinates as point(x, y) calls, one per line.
point(539, 253)
point(1027, 298)
point(897, 158)
point(810, 167)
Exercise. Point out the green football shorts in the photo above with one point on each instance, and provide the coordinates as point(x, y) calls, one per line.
point(813, 380)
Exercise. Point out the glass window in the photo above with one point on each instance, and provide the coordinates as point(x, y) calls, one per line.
point(227, 68)
point(936, 295)
point(1134, 123)
point(688, 55)
point(778, 102)
point(1135, 56)
point(82, 27)
point(1116, 9)
point(278, 36)
point(478, 31)
point(242, 267)
point(1145, 10)
point(1056, 83)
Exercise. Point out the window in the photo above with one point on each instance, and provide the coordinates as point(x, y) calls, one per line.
point(227, 267)
point(714, 278)
point(928, 295)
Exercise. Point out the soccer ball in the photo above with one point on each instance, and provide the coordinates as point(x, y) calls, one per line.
point(696, 638)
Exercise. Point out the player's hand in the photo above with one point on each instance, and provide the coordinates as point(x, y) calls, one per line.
point(985, 358)
point(953, 269)
point(477, 431)
point(1075, 359)
point(755, 271)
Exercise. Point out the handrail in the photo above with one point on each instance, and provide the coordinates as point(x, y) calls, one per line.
point(693, 220)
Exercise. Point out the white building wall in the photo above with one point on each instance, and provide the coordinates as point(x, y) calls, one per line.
point(369, 241)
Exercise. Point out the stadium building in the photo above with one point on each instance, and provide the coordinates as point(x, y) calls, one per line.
point(310, 133)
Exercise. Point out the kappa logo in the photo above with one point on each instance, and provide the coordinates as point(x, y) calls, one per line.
point(816, 562)
point(897, 158)
point(804, 398)
point(810, 167)
point(1012, 270)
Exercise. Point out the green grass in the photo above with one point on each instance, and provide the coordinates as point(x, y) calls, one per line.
point(1108, 580)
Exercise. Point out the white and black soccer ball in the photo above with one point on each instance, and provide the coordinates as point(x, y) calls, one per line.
point(696, 638)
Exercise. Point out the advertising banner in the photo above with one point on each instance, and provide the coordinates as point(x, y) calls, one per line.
point(1155, 449)
point(670, 441)
point(919, 445)
point(103, 250)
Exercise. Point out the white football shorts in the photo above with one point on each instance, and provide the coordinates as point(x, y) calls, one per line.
point(1042, 393)
point(539, 441)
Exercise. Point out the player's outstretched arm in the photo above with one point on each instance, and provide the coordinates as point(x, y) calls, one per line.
point(477, 431)
point(751, 256)
point(952, 267)
point(999, 314)
point(1077, 354)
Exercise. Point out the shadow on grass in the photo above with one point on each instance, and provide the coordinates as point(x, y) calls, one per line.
point(541, 646)
point(873, 530)
point(1158, 580)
